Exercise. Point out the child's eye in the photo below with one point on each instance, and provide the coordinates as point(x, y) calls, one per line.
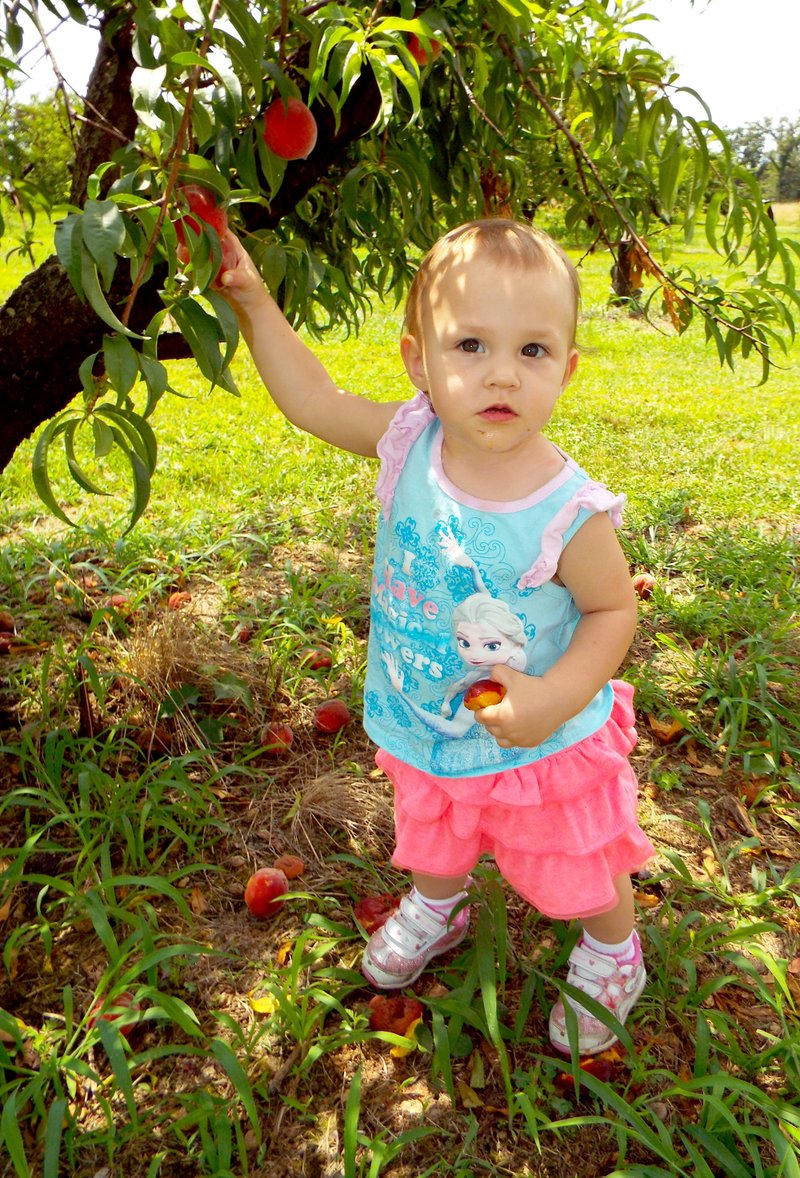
point(533, 350)
point(471, 345)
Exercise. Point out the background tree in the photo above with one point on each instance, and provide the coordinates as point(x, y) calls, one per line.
point(771, 151)
point(424, 119)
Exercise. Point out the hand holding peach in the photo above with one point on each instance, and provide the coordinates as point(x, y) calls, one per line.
point(529, 712)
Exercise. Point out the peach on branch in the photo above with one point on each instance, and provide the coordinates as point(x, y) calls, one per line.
point(419, 52)
point(483, 694)
point(203, 205)
point(290, 129)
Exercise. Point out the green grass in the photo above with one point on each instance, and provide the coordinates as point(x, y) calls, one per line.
point(136, 797)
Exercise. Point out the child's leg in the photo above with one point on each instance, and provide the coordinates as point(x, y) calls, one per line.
point(610, 928)
point(420, 929)
point(607, 965)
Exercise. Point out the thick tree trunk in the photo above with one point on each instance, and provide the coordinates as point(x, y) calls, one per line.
point(45, 331)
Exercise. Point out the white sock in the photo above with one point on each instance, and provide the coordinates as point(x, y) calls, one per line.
point(443, 907)
point(621, 950)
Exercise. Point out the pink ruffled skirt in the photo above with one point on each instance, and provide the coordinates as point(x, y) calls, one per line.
point(560, 830)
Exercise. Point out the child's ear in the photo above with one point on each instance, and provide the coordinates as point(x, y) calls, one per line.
point(411, 354)
point(569, 370)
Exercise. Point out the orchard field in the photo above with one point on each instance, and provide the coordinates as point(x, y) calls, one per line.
point(141, 687)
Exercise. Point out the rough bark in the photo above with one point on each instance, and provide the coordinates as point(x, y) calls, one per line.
point(45, 331)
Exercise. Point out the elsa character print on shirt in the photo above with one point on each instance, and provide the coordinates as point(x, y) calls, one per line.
point(486, 633)
point(459, 586)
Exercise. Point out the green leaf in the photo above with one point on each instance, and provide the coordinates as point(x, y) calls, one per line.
point(156, 380)
point(68, 237)
point(75, 469)
point(136, 430)
point(202, 333)
point(97, 300)
point(103, 235)
point(122, 363)
point(52, 1138)
point(39, 465)
point(112, 1041)
point(238, 1077)
point(11, 1136)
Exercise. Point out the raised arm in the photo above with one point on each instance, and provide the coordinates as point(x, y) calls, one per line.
point(295, 379)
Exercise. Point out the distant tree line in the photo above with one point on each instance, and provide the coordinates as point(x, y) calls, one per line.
point(771, 151)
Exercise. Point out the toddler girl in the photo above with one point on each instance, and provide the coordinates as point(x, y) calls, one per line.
point(496, 557)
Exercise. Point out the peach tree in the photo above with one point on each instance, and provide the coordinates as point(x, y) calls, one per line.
point(410, 120)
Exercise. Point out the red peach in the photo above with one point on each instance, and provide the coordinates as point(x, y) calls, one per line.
point(331, 716)
point(7, 622)
point(393, 1013)
point(203, 203)
point(178, 599)
point(373, 911)
point(264, 891)
point(419, 52)
point(114, 1012)
point(277, 737)
point(317, 659)
point(643, 584)
point(290, 129)
point(483, 694)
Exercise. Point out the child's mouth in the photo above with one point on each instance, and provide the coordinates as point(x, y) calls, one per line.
point(498, 413)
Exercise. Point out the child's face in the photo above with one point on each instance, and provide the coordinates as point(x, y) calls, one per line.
point(495, 353)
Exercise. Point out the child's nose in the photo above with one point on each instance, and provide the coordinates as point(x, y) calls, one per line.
point(503, 372)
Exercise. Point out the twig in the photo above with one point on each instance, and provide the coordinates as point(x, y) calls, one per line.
point(173, 161)
point(61, 85)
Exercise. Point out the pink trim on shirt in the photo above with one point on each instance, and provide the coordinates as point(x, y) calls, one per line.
point(592, 497)
point(496, 506)
point(410, 420)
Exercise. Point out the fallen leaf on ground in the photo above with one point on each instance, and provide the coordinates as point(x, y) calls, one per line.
point(197, 901)
point(266, 1004)
point(646, 899)
point(468, 1097)
point(665, 731)
point(399, 1052)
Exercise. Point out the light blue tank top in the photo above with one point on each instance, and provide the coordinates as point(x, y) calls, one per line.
point(456, 589)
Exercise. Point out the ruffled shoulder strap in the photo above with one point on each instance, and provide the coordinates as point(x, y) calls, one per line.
point(410, 420)
point(591, 497)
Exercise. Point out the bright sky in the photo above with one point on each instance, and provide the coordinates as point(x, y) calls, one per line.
point(741, 55)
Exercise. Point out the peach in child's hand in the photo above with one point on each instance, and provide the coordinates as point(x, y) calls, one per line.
point(483, 694)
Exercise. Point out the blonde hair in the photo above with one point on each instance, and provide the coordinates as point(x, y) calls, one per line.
point(508, 242)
